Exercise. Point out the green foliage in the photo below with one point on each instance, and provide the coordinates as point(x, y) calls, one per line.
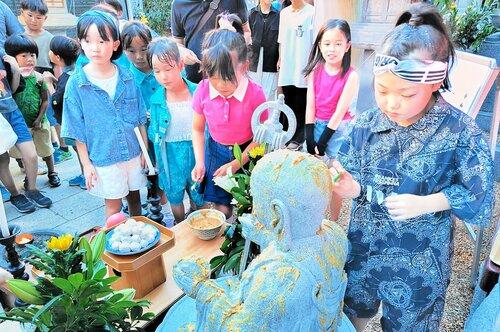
point(233, 245)
point(75, 294)
point(470, 28)
point(158, 15)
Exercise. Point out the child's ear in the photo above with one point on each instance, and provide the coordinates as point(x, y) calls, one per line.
point(45, 18)
point(436, 86)
point(181, 65)
point(244, 66)
point(116, 43)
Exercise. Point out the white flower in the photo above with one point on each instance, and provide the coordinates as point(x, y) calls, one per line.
point(226, 182)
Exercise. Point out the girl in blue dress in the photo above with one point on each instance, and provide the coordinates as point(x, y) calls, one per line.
point(410, 165)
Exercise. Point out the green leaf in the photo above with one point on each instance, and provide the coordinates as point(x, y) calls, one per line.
point(218, 260)
point(136, 312)
point(237, 153)
point(241, 199)
point(46, 307)
point(232, 262)
point(64, 284)
point(236, 250)
point(76, 279)
point(225, 245)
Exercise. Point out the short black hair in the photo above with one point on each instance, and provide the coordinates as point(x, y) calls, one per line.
point(135, 29)
point(66, 48)
point(17, 44)
point(105, 27)
point(35, 5)
point(165, 49)
point(216, 55)
point(113, 3)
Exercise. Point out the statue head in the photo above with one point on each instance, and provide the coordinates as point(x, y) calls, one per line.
point(291, 192)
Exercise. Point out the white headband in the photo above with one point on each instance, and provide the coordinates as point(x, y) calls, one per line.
point(418, 71)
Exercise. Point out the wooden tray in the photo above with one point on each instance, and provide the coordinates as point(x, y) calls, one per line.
point(134, 262)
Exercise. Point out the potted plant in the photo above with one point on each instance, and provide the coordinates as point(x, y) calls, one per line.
point(470, 28)
point(74, 294)
point(238, 185)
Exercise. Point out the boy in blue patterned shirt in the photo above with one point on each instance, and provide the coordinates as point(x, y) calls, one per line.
point(410, 165)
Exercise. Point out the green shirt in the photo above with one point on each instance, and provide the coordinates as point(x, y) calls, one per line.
point(30, 99)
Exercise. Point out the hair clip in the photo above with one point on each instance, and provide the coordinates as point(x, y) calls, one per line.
point(226, 25)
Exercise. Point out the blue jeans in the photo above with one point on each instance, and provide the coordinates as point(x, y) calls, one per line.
point(333, 145)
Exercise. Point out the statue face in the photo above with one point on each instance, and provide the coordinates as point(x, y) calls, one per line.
point(300, 181)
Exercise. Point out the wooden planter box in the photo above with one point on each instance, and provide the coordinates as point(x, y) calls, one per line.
point(144, 271)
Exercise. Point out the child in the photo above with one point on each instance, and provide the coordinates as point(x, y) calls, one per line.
point(102, 106)
point(296, 36)
point(264, 23)
point(34, 13)
point(332, 83)
point(135, 38)
point(171, 125)
point(33, 101)
point(63, 53)
point(410, 165)
point(226, 101)
point(10, 78)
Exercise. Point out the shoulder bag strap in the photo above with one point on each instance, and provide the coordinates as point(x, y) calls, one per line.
point(203, 20)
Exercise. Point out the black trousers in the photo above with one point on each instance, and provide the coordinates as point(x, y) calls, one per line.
point(296, 99)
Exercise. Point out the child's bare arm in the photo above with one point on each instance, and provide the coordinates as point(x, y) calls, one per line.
point(198, 146)
point(345, 185)
point(43, 108)
point(350, 90)
point(88, 169)
point(406, 206)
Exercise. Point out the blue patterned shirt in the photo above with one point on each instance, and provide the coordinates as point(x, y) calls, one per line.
point(407, 263)
point(106, 126)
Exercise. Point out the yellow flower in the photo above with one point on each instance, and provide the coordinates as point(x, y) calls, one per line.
point(144, 19)
point(60, 243)
point(453, 6)
point(258, 151)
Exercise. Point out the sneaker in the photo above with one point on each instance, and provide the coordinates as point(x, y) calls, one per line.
point(54, 180)
point(83, 183)
point(60, 156)
point(40, 200)
point(22, 204)
point(76, 181)
point(5, 193)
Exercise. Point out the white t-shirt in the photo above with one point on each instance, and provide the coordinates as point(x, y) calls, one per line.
point(107, 84)
point(296, 37)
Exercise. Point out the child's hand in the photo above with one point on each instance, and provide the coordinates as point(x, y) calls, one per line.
point(222, 171)
point(49, 78)
point(198, 172)
point(405, 206)
point(90, 175)
point(37, 124)
point(12, 62)
point(344, 183)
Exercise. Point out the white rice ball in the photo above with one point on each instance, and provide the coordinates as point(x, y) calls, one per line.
point(115, 245)
point(124, 247)
point(143, 243)
point(134, 246)
point(130, 222)
point(126, 239)
point(135, 238)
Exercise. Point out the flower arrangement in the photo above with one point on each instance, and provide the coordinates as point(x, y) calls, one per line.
point(238, 185)
point(75, 294)
point(470, 28)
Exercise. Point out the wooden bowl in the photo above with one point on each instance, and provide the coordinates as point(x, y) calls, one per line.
point(23, 239)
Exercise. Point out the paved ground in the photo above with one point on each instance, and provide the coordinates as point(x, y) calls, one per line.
point(73, 209)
